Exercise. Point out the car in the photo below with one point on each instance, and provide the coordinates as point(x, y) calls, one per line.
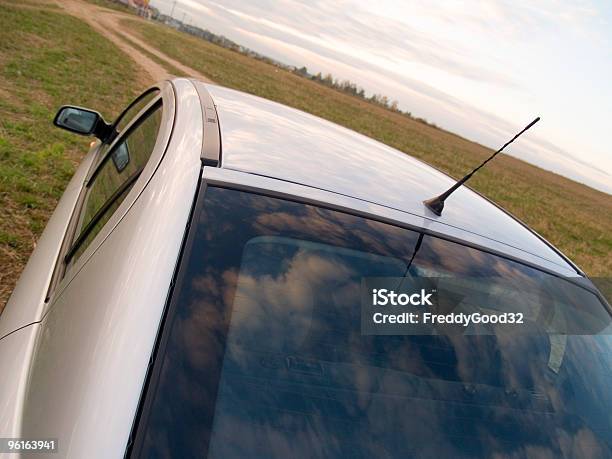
point(199, 291)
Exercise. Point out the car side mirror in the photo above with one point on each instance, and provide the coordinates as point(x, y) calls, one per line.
point(82, 121)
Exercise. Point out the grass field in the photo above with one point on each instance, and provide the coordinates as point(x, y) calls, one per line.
point(574, 217)
point(48, 58)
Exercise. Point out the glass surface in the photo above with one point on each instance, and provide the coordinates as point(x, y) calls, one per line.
point(128, 158)
point(97, 227)
point(263, 355)
point(125, 118)
point(137, 106)
point(78, 120)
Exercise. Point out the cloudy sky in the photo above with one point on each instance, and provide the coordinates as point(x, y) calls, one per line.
point(482, 69)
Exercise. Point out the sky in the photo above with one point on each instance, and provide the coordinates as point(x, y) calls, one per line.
point(481, 69)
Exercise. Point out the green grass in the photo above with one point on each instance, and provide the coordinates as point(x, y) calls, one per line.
point(166, 65)
point(47, 59)
point(574, 217)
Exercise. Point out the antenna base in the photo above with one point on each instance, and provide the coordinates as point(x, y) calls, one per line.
point(436, 205)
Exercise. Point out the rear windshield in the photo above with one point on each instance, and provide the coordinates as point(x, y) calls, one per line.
point(263, 353)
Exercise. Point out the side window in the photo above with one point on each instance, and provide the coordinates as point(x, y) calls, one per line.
point(113, 178)
point(130, 113)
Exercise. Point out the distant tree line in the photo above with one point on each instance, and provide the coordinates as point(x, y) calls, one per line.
point(351, 88)
point(344, 86)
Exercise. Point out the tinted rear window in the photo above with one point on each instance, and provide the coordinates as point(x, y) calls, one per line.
point(262, 353)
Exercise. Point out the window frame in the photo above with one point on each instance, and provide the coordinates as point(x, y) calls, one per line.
point(104, 153)
point(78, 239)
point(64, 271)
point(104, 147)
point(151, 380)
point(134, 102)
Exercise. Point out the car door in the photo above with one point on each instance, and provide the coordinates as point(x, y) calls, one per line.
point(118, 259)
point(118, 164)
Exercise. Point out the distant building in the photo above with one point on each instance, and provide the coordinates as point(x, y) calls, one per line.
point(169, 21)
point(141, 6)
point(154, 12)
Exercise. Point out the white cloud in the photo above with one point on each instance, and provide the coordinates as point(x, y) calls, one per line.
point(455, 63)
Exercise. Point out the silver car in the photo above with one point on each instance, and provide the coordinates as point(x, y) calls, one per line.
point(201, 291)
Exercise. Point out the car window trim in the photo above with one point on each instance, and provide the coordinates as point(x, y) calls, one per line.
point(138, 119)
point(111, 140)
point(101, 212)
point(134, 102)
point(136, 438)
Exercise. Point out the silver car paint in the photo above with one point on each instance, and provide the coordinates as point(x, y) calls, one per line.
point(15, 354)
point(27, 300)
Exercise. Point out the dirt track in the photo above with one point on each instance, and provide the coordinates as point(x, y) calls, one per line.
point(108, 23)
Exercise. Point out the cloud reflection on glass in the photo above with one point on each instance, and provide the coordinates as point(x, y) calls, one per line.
point(265, 356)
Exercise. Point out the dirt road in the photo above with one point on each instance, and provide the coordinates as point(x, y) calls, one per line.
point(108, 23)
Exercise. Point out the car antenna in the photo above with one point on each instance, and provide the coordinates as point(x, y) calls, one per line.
point(436, 205)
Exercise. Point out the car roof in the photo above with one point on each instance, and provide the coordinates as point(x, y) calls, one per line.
point(269, 139)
